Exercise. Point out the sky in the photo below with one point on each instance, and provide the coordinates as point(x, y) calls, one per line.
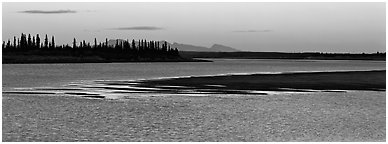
point(353, 27)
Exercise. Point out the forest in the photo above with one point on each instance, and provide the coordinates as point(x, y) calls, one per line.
point(32, 49)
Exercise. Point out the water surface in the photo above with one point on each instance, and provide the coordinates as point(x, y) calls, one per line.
point(49, 75)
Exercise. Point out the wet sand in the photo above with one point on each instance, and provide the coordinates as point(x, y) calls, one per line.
point(351, 116)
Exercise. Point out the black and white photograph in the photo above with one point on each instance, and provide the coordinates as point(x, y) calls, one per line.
point(218, 71)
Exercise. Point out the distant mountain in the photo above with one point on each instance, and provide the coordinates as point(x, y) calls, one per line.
point(221, 48)
point(187, 47)
point(214, 48)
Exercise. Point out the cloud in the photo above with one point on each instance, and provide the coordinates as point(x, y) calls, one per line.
point(252, 31)
point(48, 12)
point(139, 28)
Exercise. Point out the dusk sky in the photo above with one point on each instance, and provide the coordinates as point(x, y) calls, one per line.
point(282, 27)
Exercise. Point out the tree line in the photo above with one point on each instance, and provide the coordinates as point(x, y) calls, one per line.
point(122, 49)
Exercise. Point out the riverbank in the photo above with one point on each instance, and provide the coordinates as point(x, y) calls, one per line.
point(353, 116)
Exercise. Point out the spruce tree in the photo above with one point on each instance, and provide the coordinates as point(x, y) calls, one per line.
point(95, 42)
point(8, 44)
point(74, 43)
point(83, 44)
point(14, 42)
point(46, 42)
point(33, 43)
point(22, 46)
point(133, 44)
point(52, 42)
point(37, 41)
point(29, 42)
